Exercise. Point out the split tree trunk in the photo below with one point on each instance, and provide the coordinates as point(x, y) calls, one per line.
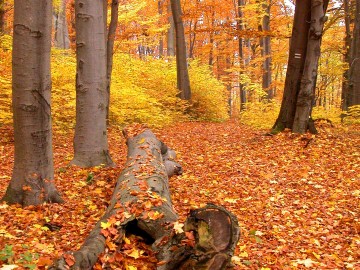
point(296, 61)
point(141, 200)
point(33, 172)
point(90, 141)
point(306, 94)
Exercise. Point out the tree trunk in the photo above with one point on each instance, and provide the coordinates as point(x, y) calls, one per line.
point(266, 52)
point(33, 172)
point(110, 52)
point(347, 46)
point(171, 34)
point(141, 203)
point(354, 73)
point(183, 81)
point(61, 39)
point(306, 94)
point(90, 141)
point(240, 28)
point(297, 54)
point(2, 17)
point(161, 40)
point(211, 38)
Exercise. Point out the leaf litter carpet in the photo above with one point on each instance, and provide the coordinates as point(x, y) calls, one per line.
point(297, 198)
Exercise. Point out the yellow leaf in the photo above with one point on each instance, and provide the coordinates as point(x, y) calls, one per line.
point(178, 227)
point(105, 225)
point(244, 254)
point(134, 254)
point(130, 267)
point(230, 200)
point(317, 256)
point(141, 141)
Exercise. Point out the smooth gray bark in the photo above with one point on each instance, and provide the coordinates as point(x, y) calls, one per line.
point(353, 97)
point(170, 34)
point(266, 51)
point(306, 94)
point(33, 172)
point(90, 141)
point(240, 27)
point(296, 61)
point(183, 81)
point(347, 46)
point(61, 38)
point(110, 52)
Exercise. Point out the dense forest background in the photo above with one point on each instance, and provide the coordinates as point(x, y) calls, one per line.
point(227, 80)
point(229, 90)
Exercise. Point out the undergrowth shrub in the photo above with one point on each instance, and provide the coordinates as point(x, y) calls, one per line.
point(352, 116)
point(260, 114)
point(332, 114)
point(142, 91)
point(209, 97)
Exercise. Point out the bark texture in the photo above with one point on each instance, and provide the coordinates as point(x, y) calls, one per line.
point(265, 42)
point(170, 34)
point(353, 97)
point(90, 141)
point(240, 28)
point(33, 172)
point(2, 17)
point(110, 51)
point(306, 94)
point(183, 81)
point(296, 61)
point(141, 200)
point(347, 46)
point(61, 39)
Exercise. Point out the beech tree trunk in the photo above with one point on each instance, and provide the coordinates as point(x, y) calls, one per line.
point(161, 39)
point(240, 28)
point(296, 107)
point(33, 172)
point(141, 202)
point(347, 47)
point(306, 94)
point(110, 52)
point(266, 51)
point(2, 17)
point(183, 81)
point(61, 39)
point(296, 61)
point(170, 34)
point(90, 141)
point(353, 97)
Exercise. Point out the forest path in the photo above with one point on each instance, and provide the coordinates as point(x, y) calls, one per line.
point(296, 197)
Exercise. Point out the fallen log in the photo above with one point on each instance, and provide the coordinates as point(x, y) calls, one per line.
point(141, 203)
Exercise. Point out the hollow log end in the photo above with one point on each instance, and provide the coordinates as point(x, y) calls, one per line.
point(216, 233)
point(216, 229)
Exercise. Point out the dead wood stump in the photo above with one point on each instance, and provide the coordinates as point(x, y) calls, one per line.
point(141, 203)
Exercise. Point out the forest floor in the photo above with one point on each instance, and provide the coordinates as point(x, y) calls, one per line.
point(297, 198)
